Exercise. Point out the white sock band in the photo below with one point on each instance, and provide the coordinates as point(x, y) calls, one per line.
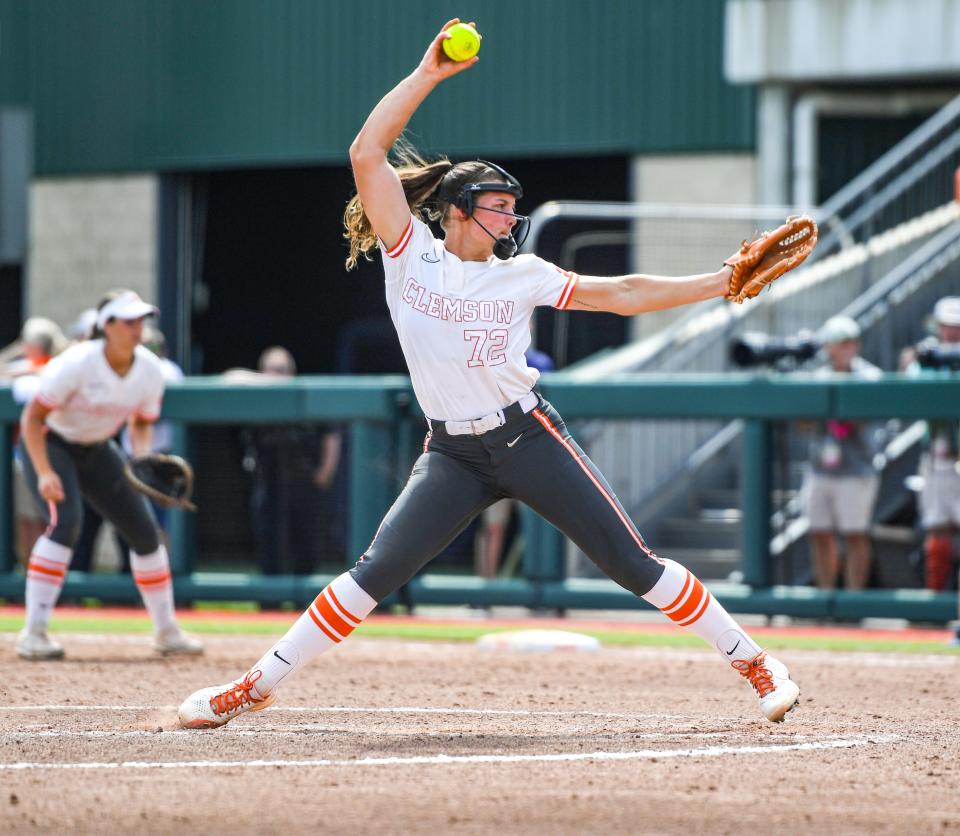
point(681, 597)
point(152, 575)
point(332, 616)
point(46, 572)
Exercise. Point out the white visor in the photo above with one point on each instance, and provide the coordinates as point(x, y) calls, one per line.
point(126, 306)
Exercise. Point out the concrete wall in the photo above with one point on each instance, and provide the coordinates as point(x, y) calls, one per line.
point(678, 246)
point(802, 40)
point(87, 236)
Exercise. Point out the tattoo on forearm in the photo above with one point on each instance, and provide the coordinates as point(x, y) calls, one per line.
point(577, 303)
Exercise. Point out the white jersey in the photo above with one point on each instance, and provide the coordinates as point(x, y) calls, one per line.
point(89, 401)
point(464, 326)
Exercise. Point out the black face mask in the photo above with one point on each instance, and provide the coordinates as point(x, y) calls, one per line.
point(463, 199)
point(507, 246)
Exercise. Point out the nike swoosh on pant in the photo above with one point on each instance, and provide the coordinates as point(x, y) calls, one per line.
point(511, 443)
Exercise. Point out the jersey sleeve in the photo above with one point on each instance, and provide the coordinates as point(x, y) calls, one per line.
point(149, 407)
point(58, 381)
point(416, 238)
point(552, 286)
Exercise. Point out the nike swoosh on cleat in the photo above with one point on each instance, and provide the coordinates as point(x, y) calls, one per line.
point(728, 652)
point(511, 443)
point(287, 663)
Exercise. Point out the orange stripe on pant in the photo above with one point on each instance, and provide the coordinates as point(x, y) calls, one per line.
point(596, 483)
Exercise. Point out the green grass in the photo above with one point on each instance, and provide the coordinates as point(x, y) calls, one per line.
point(427, 631)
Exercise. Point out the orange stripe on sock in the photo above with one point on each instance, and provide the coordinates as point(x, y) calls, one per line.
point(44, 579)
point(158, 581)
point(342, 608)
point(331, 616)
point(321, 625)
point(33, 566)
point(691, 604)
point(700, 612)
point(676, 601)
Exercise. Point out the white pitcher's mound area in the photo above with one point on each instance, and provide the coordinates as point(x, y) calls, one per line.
point(537, 641)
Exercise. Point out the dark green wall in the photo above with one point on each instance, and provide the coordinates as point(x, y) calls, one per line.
point(187, 84)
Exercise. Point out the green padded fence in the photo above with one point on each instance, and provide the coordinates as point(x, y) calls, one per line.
point(383, 418)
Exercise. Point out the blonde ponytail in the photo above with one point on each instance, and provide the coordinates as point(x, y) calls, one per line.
point(419, 179)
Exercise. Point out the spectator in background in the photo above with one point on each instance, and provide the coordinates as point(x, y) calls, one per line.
point(841, 488)
point(40, 340)
point(293, 468)
point(940, 494)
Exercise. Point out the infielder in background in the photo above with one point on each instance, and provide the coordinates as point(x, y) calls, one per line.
point(85, 395)
point(462, 307)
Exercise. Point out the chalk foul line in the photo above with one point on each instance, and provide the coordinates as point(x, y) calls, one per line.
point(450, 760)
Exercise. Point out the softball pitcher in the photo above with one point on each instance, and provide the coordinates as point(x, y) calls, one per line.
point(86, 395)
point(462, 307)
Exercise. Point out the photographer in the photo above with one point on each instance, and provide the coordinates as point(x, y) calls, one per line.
point(940, 495)
point(841, 487)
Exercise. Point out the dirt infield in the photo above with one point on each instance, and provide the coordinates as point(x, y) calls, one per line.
point(399, 737)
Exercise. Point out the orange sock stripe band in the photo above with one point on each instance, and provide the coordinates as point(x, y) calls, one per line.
point(341, 608)
point(319, 622)
point(331, 616)
point(697, 596)
point(35, 566)
point(545, 422)
point(33, 576)
point(676, 601)
point(699, 612)
point(157, 580)
point(40, 560)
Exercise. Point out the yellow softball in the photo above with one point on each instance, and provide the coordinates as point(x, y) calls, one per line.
point(463, 43)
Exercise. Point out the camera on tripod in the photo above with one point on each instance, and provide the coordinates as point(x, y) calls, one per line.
point(933, 354)
point(756, 349)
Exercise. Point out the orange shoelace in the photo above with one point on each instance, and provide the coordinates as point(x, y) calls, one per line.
point(756, 673)
point(236, 696)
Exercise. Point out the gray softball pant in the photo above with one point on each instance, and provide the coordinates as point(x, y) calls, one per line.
point(531, 458)
point(93, 472)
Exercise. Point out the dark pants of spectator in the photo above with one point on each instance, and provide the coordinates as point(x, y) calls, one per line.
point(289, 519)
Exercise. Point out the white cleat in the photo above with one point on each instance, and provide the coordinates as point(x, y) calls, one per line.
point(769, 677)
point(174, 642)
point(37, 645)
point(209, 708)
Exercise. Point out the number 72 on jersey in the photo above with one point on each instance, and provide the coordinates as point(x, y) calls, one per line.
point(489, 347)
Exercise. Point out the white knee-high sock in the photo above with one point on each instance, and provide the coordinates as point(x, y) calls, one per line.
point(681, 597)
point(333, 615)
point(152, 575)
point(46, 572)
